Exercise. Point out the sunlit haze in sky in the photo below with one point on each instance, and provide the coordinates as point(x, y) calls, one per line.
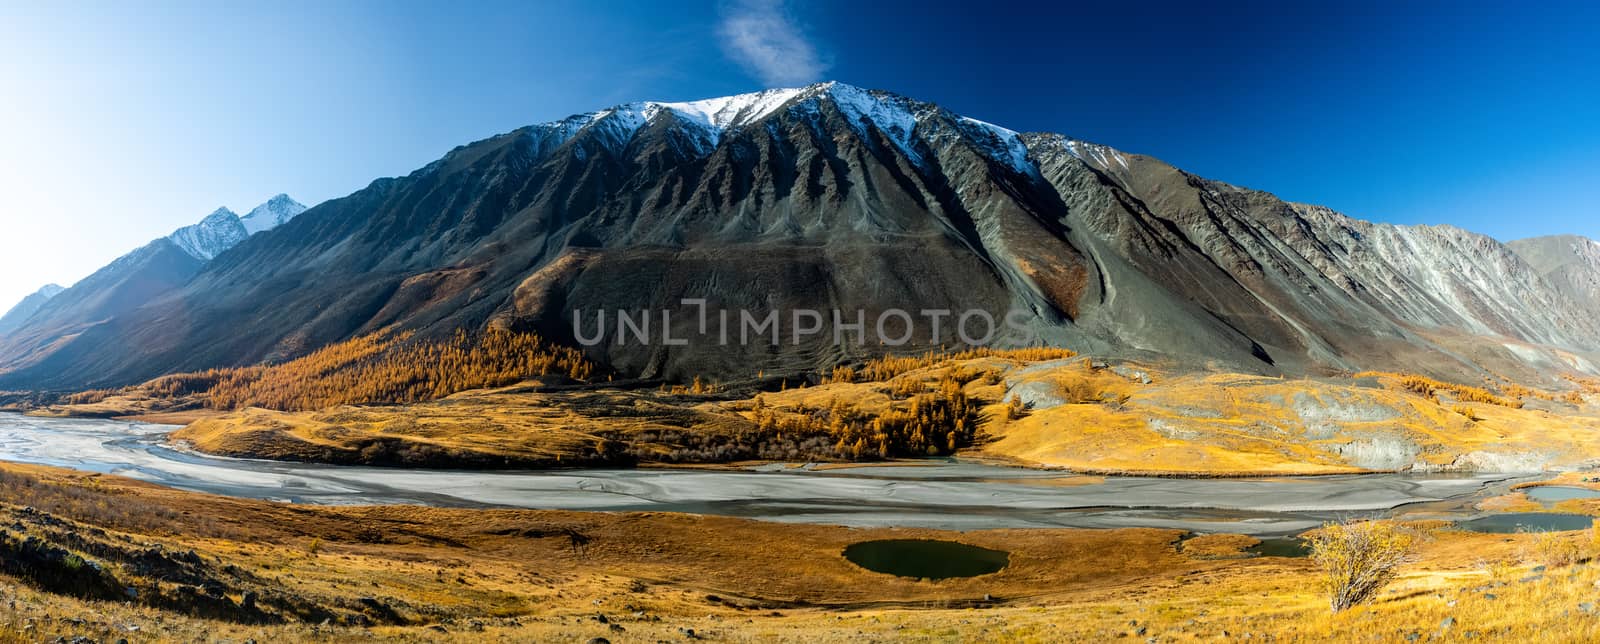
point(123, 121)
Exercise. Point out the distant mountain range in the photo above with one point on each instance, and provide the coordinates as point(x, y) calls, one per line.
point(56, 315)
point(26, 308)
point(836, 198)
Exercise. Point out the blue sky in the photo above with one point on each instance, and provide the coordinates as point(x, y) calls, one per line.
point(122, 121)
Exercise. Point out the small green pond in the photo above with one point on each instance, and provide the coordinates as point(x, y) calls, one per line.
point(1555, 493)
point(926, 558)
point(1527, 522)
point(1281, 547)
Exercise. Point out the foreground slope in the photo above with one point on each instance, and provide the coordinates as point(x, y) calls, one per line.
point(832, 197)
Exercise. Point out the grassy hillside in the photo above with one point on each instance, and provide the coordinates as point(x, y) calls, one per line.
point(1027, 408)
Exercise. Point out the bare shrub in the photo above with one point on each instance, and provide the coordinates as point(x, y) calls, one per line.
point(1359, 558)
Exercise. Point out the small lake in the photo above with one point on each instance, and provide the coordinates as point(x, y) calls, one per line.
point(1557, 493)
point(1527, 522)
point(1292, 547)
point(926, 558)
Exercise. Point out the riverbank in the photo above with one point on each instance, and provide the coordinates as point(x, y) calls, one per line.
point(930, 494)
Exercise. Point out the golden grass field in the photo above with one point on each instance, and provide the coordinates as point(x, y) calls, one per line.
point(477, 575)
point(1129, 419)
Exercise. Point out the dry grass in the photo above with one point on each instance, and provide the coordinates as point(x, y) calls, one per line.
point(463, 575)
point(889, 367)
point(1429, 388)
point(1231, 424)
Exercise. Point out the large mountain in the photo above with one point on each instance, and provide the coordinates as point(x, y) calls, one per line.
point(27, 307)
point(832, 197)
point(129, 282)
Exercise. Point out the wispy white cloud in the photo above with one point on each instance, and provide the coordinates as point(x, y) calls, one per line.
point(764, 38)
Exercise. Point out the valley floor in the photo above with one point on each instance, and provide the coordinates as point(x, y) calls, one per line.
point(109, 558)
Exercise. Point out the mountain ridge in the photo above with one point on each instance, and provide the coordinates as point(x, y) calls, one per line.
point(835, 197)
point(22, 310)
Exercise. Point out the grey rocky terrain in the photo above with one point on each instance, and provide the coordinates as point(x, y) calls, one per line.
point(834, 197)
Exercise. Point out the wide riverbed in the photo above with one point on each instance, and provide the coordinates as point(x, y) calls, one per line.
point(946, 495)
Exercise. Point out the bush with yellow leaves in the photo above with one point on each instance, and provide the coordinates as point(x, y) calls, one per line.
point(1358, 558)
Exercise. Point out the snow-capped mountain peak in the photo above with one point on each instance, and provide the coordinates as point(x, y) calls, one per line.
point(894, 115)
point(275, 212)
point(708, 121)
point(224, 229)
point(218, 232)
point(712, 117)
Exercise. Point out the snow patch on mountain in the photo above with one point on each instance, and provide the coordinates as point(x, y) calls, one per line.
point(1002, 144)
point(893, 115)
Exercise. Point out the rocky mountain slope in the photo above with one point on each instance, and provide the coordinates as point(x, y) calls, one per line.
point(832, 197)
point(1569, 263)
point(129, 282)
point(26, 308)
